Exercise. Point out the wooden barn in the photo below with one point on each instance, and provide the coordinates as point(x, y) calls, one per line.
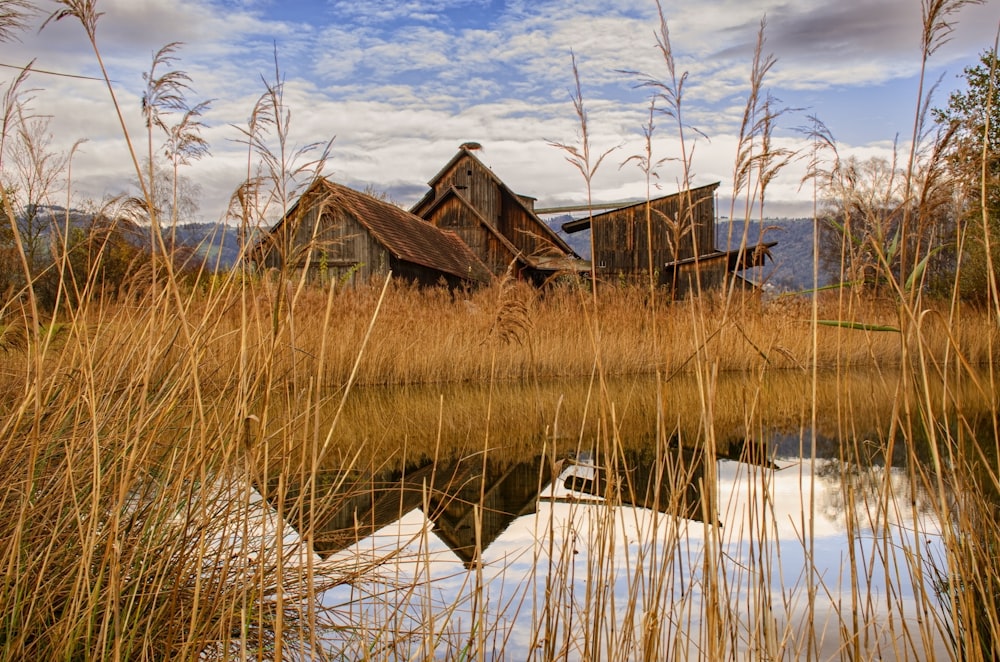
point(339, 234)
point(498, 225)
point(673, 234)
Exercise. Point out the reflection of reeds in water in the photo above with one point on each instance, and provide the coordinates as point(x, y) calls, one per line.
point(393, 422)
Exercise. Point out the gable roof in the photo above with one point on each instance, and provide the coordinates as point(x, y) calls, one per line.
point(697, 195)
point(551, 263)
point(464, 152)
point(405, 236)
point(452, 192)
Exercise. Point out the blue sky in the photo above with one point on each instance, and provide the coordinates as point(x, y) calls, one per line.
point(400, 84)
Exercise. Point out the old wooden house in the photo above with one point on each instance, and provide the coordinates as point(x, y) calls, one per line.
point(338, 234)
point(498, 225)
point(674, 236)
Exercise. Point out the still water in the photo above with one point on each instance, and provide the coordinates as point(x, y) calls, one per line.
point(526, 522)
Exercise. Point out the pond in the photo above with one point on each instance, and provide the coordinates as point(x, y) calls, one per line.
point(542, 521)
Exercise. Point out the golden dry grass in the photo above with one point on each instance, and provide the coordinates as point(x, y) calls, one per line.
point(144, 424)
point(433, 336)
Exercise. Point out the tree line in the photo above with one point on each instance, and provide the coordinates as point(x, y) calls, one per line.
point(951, 198)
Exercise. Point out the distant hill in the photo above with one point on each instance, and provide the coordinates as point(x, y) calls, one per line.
point(217, 243)
point(57, 214)
point(791, 266)
point(578, 241)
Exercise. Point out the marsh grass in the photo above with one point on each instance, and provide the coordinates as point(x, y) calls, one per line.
point(137, 474)
point(431, 336)
point(137, 503)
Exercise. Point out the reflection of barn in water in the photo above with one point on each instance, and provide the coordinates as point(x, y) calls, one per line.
point(459, 495)
point(449, 493)
point(671, 485)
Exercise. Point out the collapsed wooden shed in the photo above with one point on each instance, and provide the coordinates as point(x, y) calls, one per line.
point(338, 234)
point(674, 236)
point(498, 225)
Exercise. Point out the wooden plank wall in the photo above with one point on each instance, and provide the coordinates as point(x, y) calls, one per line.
point(712, 275)
point(453, 215)
point(621, 238)
point(343, 250)
point(475, 184)
point(522, 230)
point(503, 210)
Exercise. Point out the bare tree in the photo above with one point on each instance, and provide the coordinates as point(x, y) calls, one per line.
point(35, 174)
point(861, 224)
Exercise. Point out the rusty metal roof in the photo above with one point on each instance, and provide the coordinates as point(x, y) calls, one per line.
point(407, 237)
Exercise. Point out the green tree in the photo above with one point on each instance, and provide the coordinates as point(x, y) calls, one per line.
point(862, 232)
point(972, 117)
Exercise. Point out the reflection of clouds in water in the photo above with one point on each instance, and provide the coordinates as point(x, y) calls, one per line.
point(764, 515)
point(884, 580)
point(877, 496)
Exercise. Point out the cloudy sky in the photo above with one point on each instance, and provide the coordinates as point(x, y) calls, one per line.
point(398, 85)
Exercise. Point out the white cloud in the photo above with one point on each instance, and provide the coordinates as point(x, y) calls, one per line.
point(402, 83)
point(393, 11)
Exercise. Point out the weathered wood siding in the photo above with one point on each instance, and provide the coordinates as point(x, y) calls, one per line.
point(496, 224)
point(679, 228)
point(475, 184)
point(453, 214)
point(522, 230)
point(507, 212)
point(421, 275)
point(683, 280)
point(501, 210)
point(342, 249)
point(337, 233)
